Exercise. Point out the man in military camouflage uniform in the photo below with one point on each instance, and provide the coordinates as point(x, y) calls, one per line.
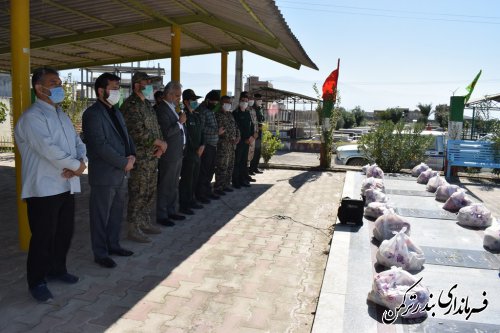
point(224, 160)
point(254, 163)
point(143, 126)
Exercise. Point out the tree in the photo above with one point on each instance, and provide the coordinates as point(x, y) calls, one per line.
point(359, 115)
point(70, 105)
point(392, 114)
point(3, 112)
point(425, 111)
point(441, 114)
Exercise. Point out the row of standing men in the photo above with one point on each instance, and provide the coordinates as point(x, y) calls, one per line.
point(152, 153)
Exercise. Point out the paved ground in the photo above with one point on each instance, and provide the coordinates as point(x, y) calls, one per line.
point(252, 262)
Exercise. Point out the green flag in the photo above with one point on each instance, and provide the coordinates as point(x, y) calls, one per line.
point(471, 86)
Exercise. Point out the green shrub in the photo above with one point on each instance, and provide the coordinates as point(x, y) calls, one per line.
point(270, 143)
point(393, 147)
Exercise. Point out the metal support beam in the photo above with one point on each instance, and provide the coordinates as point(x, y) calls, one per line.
point(238, 79)
point(21, 94)
point(277, 58)
point(223, 73)
point(175, 61)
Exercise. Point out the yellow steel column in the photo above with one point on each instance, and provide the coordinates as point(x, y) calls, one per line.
point(175, 65)
point(223, 74)
point(21, 94)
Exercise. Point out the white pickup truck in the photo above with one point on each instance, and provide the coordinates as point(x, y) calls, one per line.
point(352, 155)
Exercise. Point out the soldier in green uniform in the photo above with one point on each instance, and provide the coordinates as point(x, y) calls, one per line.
point(192, 152)
point(245, 125)
point(224, 160)
point(143, 127)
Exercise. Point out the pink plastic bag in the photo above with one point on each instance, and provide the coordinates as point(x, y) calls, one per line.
point(443, 192)
point(374, 171)
point(475, 215)
point(424, 177)
point(387, 223)
point(491, 239)
point(400, 251)
point(418, 169)
point(376, 209)
point(434, 183)
point(456, 201)
point(372, 183)
point(374, 196)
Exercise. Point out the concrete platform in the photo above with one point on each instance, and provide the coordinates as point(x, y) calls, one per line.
point(351, 265)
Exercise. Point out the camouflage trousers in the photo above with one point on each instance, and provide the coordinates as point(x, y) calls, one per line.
point(224, 165)
point(251, 152)
point(142, 191)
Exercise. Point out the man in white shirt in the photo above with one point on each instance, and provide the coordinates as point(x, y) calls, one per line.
point(53, 158)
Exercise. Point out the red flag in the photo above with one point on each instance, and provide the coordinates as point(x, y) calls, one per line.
point(330, 85)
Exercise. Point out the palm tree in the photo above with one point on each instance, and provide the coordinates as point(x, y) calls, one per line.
point(425, 110)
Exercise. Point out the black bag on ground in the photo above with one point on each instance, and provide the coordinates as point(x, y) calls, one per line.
point(351, 211)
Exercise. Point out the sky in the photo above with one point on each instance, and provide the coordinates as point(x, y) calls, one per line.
point(392, 53)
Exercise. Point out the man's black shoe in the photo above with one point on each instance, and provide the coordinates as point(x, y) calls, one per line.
point(41, 293)
point(177, 217)
point(165, 222)
point(220, 192)
point(106, 262)
point(250, 179)
point(258, 171)
point(237, 186)
point(121, 252)
point(186, 211)
point(66, 278)
point(196, 206)
point(203, 200)
point(228, 189)
point(213, 196)
point(251, 173)
point(245, 184)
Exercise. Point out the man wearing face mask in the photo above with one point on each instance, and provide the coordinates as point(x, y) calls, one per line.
point(246, 128)
point(192, 152)
point(111, 154)
point(254, 163)
point(53, 159)
point(211, 132)
point(224, 161)
point(170, 164)
point(143, 127)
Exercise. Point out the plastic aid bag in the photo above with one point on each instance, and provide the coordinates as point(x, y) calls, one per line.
point(475, 215)
point(491, 239)
point(434, 183)
point(400, 251)
point(417, 170)
point(424, 177)
point(443, 192)
point(374, 196)
point(402, 293)
point(364, 168)
point(376, 209)
point(372, 183)
point(374, 171)
point(387, 223)
point(456, 201)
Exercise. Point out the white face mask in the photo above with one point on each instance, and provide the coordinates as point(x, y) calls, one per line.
point(258, 102)
point(250, 102)
point(243, 105)
point(226, 107)
point(114, 97)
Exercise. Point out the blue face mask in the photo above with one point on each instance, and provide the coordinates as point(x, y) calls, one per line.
point(148, 90)
point(56, 94)
point(193, 104)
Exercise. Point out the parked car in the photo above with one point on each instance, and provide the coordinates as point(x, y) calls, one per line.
point(352, 154)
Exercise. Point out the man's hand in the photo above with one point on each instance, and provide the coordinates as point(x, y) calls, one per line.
point(160, 145)
point(221, 130)
point(200, 150)
point(80, 170)
point(182, 118)
point(67, 173)
point(250, 140)
point(130, 163)
point(256, 135)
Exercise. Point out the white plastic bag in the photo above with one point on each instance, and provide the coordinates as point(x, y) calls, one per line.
point(418, 169)
point(387, 223)
point(443, 192)
point(364, 168)
point(374, 171)
point(393, 288)
point(456, 201)
point(434, 183)
point(376, 209)
point(400, 251)
point(424, 177)
point(373, 183)
point(372, 195)
point(475, 215)
point(491, 239)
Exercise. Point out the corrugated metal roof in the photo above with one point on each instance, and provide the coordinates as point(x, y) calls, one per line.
point(72, 34)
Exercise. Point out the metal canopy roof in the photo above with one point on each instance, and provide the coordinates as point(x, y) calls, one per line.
point(271, 94)
point(71, 34)
point(486, 98)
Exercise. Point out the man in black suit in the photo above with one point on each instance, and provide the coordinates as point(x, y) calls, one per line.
point(170, 164)
point(111, 154)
